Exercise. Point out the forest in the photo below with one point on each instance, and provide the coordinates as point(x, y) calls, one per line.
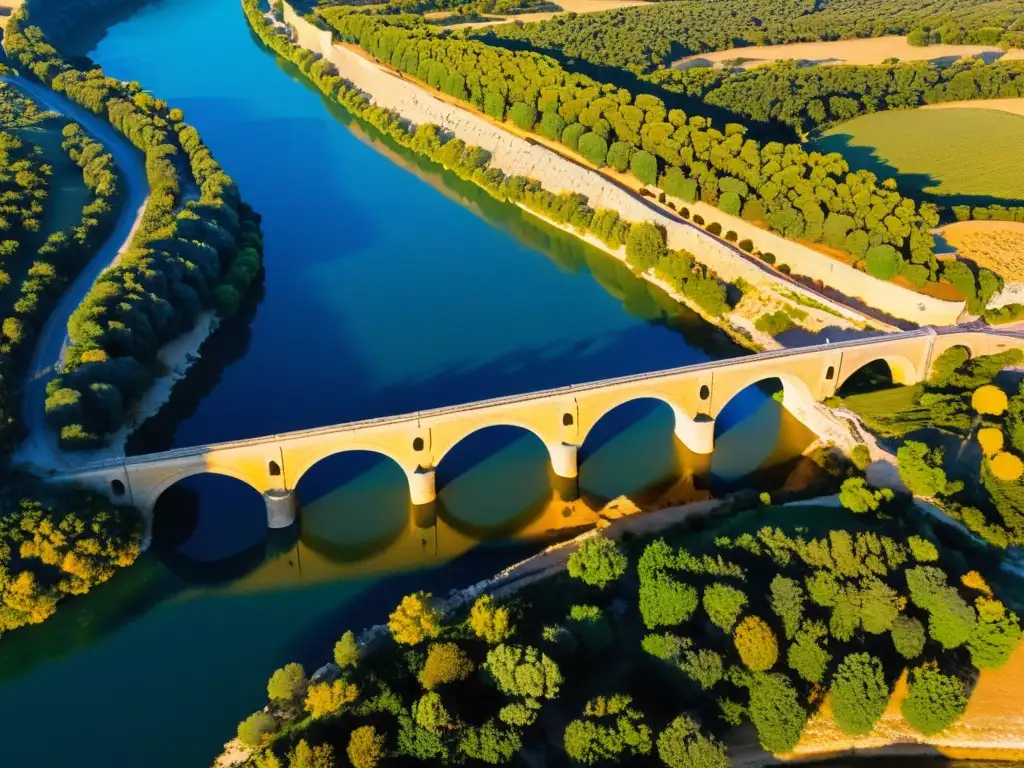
point(811, 99)
point(801, 195)
point(642, 39)
point(750, 618)
point(198, 247)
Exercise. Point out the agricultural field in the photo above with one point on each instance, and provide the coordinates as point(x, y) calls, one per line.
point(995, 245)
point(970, 154)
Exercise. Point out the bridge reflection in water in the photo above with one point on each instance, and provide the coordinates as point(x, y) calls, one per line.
point(357, 520)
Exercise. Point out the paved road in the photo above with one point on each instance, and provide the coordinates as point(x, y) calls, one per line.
point(40, 446)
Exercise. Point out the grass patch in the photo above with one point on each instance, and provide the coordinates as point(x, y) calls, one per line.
point(946, 152)
point(890, 412)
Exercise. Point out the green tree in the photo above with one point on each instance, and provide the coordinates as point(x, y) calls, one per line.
point(787, 600)
point(806, 655)
point(776, 712)
point(859, 693)
point(346, 651)
point(446, 663)
point(490, 743)
point(665, 646)
point(665, 602)
point(934, 701)
point(255, 728)
point(645, 246)
point(908, 637)
point(524, 116)
point(883, 262)
point(598, 562)
point(589, 624)
point(610, 728)
point(756, 644)
point(855, 496)
point(703, 666)
point(365, 747)
point(993, 639)
point(524, 671)
point(644, 166)
point(551, 126)
point(287, 684)
point(593, 148)
point(682, 745)
point(723, 605)
point(921, 470)
point(430, 713)
point(618, 155)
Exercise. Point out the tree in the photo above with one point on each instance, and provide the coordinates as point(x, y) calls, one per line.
point(723, 604)
point(806, 656)
point(880, 605)
point(305, 756)
point(415, 619)
point(787, 600)
point(682, 745)
point(490, 621)
point(665, 602)
point(346, 651)
point(589, 624)
point(523, 671)
point(989, 400)
point(593, 148)
point(524, 116)
point(665, 646)
point(861, 456)
point(991, 440)
point(993, 639)
point(1006, 467)
point(645, 246)
point(855, 496)
point(609, 729)
point(776, 712)
point(365, 747)
point(756, 644)
point(325, 699)
point(859, 694)
point(430, 713)
point(255, 728)
point(618, 156)
point(908, 637)
point(704, 667)
point(490, 744)
point(287, 683)
point(883, 262)
point(644, 166)
point(921, 470)
point(923, 550)
point(598, 562)
point(935, 700)
point(446, 663)
point(551, 126)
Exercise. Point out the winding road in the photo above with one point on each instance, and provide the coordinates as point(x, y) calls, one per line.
point(40, 448)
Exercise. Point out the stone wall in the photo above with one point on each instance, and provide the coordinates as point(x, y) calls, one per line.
point(514, 155)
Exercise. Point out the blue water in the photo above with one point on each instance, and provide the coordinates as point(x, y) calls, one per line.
point(390, 287)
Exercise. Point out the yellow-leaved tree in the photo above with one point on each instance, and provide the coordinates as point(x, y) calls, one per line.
point(756, 644)
point(489, 620)
point(1006, 467)
point(991, 440)
point(415, 619)
point(323, 699)
point(989, 399)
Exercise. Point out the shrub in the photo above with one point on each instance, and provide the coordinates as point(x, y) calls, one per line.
point(991, 440)
point(1005, 466)
point(723, 605)
point(785, 269)
point(324, 699)
point(598, 562)
point(287, 683)
point(645, 246)
point(861, 456)
point(698, 219)
point(859, 694)
point(774, 323)
point(682, 745)
point(346, 651)
point(935, 700)
point(731, 236)
point(776, 712)
point(756, 644)
point(768, 258)
point(415, 619)
point(664, 602)
point(365, 747)
point(255, 728)
point(446, 663)
point(523, 671)
point(908, 637)
point(490, 621)
point(989, 400)
point(714, 228)
point(746, 245)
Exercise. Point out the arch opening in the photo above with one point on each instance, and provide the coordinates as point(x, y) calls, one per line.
point(353, 503)
point(208, 518)
point(757, 438)
point(884, 373)
point(633, 451)
point(274, 469)
point(117, 488)
point(494, 478)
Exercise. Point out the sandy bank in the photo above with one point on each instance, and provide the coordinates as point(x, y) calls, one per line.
point(874, 50)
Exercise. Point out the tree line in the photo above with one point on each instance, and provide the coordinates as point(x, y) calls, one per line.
point(644, 39)
point(696, 634)
point(815, 98)
point(799, 194)
point(184, 258)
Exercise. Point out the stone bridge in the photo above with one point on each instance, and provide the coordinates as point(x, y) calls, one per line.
point(562, 418)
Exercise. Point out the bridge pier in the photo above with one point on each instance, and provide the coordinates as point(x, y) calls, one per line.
point(421, 486)
point(564, 459)
point(282, 508)
point(696, 434)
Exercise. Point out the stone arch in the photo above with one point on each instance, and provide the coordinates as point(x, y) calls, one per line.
point(797, 393)
point(902, 369)
point(152, 495)
point(462, 435)
point(312, 460)
point(595, 416)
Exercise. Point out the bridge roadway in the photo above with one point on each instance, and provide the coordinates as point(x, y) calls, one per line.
point(562, 418)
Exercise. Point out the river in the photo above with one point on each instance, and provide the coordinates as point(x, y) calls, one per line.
point(391, 286)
